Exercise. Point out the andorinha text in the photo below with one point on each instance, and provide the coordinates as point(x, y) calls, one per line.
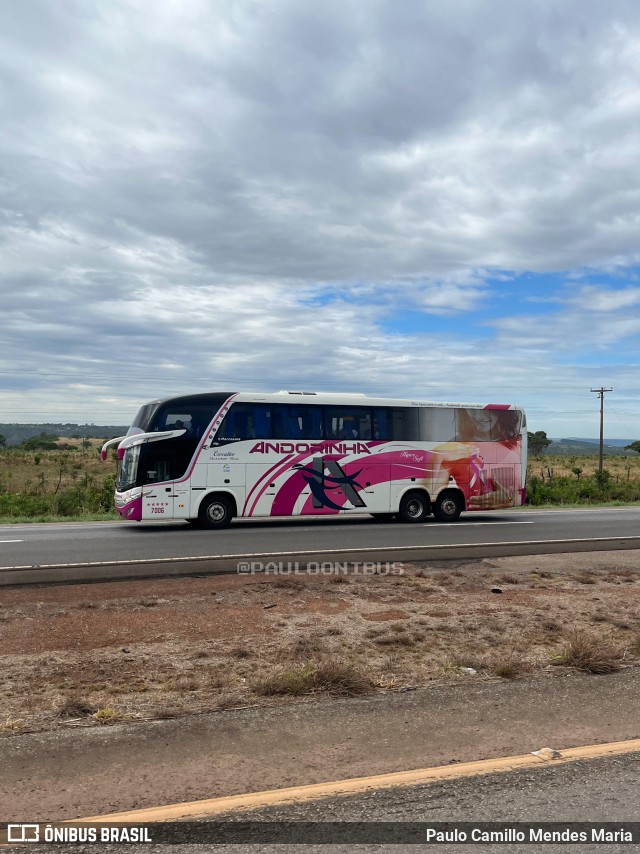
point(310, 448)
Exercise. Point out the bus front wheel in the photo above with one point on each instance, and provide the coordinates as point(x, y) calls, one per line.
point(448, 506)
point(215, 512)
point(414, 507)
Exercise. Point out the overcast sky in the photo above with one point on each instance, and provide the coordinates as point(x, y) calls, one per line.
point(411, 199)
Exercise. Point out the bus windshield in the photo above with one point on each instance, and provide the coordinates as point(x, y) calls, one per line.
point(128, 469)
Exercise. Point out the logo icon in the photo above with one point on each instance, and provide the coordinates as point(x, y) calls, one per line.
point(23, 833)
point(319, 482)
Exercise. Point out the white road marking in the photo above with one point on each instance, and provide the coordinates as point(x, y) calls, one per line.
point(472, 524)
point(427, 525)
point(11, 541)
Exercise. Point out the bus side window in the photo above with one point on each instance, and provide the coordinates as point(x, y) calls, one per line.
point(488, 425)
point(438, 424)
point(286, 423)
point(261, 421)
point(347, 422)
point(157, 466)
point(349, 428)
point(234, 426)
point(313, 423)
point(404, 424)
point(336, 422)
point(364, 425)
point(297, 422)
point(508, 426)
point(238, 424)
point(294, 424)
point(381, 424)
point(246, 421)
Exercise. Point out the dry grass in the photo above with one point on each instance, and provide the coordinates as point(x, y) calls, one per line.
point(316, 677)
point(503, 663)
point(75, 707)
point(512, 667)
point(592, 653)
point(620, 466)
point(13, 725)
point(290, 582)
point(166, 648)
point(107, 716)
point(48, 470)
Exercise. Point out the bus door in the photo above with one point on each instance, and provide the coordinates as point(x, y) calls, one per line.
point(162, 497)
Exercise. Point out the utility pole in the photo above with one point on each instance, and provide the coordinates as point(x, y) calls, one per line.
point(601, 393)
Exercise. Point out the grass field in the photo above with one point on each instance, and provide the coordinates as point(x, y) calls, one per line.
point(566, 480)
point(61, 483)
point(48, 471)
point(620, 468)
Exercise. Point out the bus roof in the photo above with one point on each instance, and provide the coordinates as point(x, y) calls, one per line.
point(326, 398)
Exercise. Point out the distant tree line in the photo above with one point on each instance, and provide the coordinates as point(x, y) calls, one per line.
point(41, 442)
point(538, 444)
point(17, 434)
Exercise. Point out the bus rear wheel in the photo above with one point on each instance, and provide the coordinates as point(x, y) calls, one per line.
point(448, 506)
point(216, 511)
point(414, 507)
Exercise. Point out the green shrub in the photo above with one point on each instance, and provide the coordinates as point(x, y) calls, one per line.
point(19, 504)
point(586, 490)
point(43, 442)
point(88, 498)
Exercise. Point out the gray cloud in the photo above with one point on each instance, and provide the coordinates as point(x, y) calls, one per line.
point(246, 191)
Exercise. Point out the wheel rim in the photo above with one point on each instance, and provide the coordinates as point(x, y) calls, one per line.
point(216, 512)
point(449, 507)
point(414, 508)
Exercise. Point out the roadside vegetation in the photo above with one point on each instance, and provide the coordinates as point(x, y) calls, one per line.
point(49, 478)
point(562, 480)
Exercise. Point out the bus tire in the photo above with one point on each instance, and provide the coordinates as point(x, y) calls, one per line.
point(414, 507)
point(449, 505)
point(216, 511)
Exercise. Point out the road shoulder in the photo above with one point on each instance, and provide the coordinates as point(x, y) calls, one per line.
point(70, 773)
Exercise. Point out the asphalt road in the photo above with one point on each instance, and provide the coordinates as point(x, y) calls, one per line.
point(77, 543)
point(598, 791)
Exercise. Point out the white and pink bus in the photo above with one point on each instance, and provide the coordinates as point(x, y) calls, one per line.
point(207, 458)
